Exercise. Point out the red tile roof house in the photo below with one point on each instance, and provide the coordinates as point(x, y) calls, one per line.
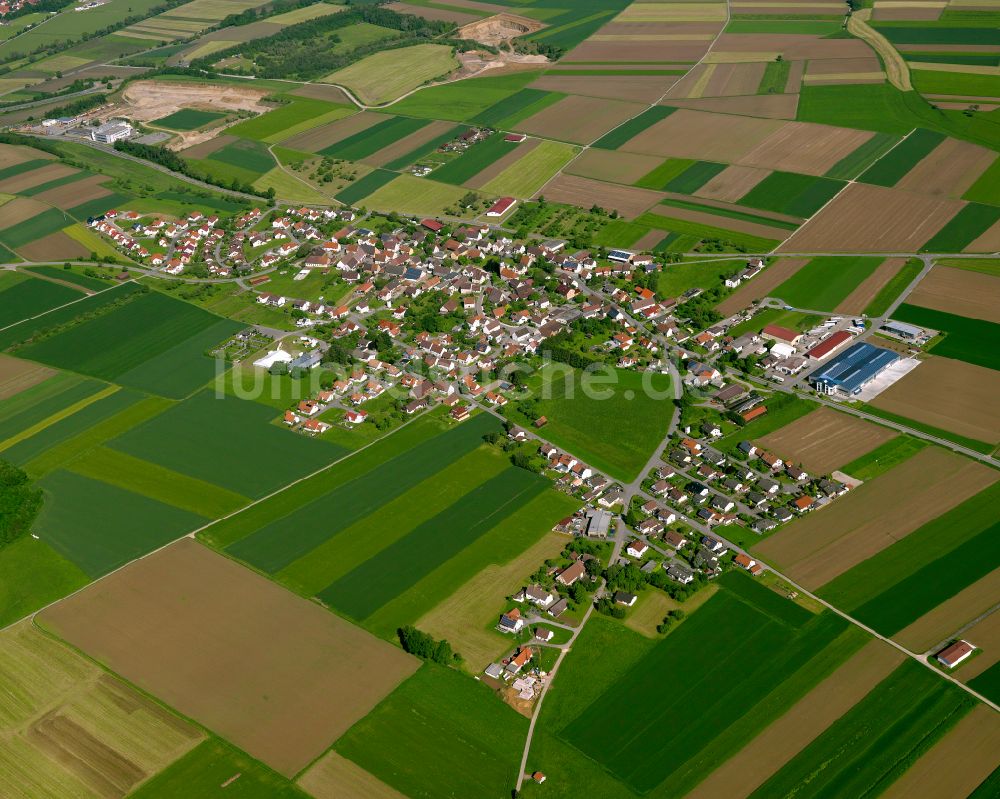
point(501, 206)
point(511, 622)
point(571, 573)
point(955, 653)
point(779, 333)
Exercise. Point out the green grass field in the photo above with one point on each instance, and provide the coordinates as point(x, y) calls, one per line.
point(870, 746)
point(473, 161)
point(825, 282)
point(220, 441)
point(93, 524)
point(988, 684)
point(739, 658)
point(782, 409)
point(964, 228)
point(912, 576)
point(445, 718)
point(27, 298)
point(527, 175)
point(360, 145)
point(986, 189)
point(694, 177)
point(515, 109)
point(675, 279)
point(665, 173)
point(398, 567)
point(71, 276)
point(201, 772)
point(894, 287)
point(364, 187)
point(245, 154)
point(852, 165)
point(37, 227)
point(881, 459)
point(151, 342)
point(791, 193)
point(957, 83)
point(408, 194)
point(32, 575)
point(730, 239)
point(385, 76)
point(633, 127)
point(613, 422)
point(42, 404)
point(426, 149)
point(890, 169)
point(288, 537)
point(296, 116)
point(187, 119)
point(465, 99)
point(971, 340)
point(67, 427)
point(775, 77)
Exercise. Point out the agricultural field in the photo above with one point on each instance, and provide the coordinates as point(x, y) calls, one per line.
point(825, 282)
point(187, 119)
point(22, 297)
point(386, 76)
point(189, 626)
point(871, 518)
point(443, 716)
point(70, 729)
point(147, 341)
point(960, 292)
point(974, 341)
point(825, 440)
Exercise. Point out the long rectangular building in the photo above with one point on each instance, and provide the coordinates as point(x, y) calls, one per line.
point(852, 370)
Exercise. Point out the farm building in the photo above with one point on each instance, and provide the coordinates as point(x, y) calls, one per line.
point(903, 330)
point(827, 346)
point(955, 653)
point(501, 206)
point(852, 370)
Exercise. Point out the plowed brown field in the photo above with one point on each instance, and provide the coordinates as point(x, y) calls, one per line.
point(959, 291)
point(584, 193)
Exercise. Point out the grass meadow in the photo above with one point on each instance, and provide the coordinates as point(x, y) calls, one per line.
point(527, 175)
point(964, 228)
point(387, 75)
point(33, 574)
point(616, 433)
point(33, 296)
point(460, 739)
point(187, 119)
point(791, 193)
point(473, 161)
point(891, 168)
point(825, 282)
point(881, 459)
point(633, 127)
point(466, 99)
point(894, 287)
point(297, 115)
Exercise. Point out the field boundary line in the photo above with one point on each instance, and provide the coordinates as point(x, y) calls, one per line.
point(193, 533)
point(65, 413)
point(65, 304)
point(652, 105)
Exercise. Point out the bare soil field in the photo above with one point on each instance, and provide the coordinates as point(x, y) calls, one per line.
point(439, 14)
point(639, 88)
point(730, 80)
point(986, 635)
point(783, 739)
point(11, 154)
point(314, 140)
point(75, 193)
point(867, 289)
point(795, 73)
point(17, 375)
point(703, 218)
point(582, 192)
point(732, 183)
point(792, 47)
point(695, 134)
point(924, 12)
point(692, 84)
point(824, 440)
point(20, 209)
point(805, 147)
point(829, 541)
point(69, 729)
point(833, 66)
point(336, 777)
point(322, 91)
point(959, 291)
point(580, 120)
point(613, 165)
point(953, 395)
point(950, 169)
point(54, 247)
point(407, 143)
point(988, 242)
point(938, 625)
point(650, 240)
point(758, 288)
point(278, 675)
point(958, 763)
point(480, 179)
point(461, 618)
point(35, 177)
point(206, 148)
point(866, 218)
point(146, 100)
point(766, 106)
point(651, 51)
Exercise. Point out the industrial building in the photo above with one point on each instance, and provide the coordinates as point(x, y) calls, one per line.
point(111, 132)
point(852, 370)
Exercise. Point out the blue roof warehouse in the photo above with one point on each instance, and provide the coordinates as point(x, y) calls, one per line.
point(852, 370)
